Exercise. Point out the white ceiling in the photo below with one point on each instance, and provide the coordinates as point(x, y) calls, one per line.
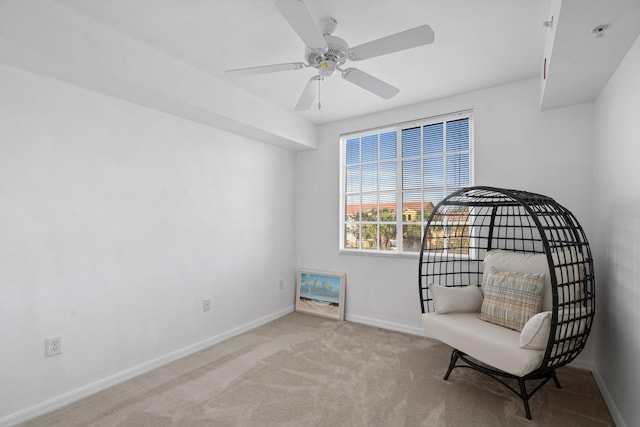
point(171, 54)
point(579, 63)
point(478, 44)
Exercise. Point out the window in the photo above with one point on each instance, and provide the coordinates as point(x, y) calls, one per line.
point(392, 178)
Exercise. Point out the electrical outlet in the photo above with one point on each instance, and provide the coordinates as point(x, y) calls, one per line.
point(281, 284)
point(52, 346)
point(206, 304)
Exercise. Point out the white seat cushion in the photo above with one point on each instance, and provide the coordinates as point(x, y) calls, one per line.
point(486, 342)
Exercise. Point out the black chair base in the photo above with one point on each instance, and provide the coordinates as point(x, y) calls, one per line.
point(498, 375)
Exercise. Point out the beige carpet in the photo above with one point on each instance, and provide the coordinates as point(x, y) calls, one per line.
point(302, 370)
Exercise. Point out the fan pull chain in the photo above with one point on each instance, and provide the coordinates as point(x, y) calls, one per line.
point(319, 105)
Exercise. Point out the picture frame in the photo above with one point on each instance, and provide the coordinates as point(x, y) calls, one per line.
point(321, 293)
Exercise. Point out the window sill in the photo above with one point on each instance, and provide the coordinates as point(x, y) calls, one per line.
point(408, 255)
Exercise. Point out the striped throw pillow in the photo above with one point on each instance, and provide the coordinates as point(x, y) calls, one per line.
point(510, 299)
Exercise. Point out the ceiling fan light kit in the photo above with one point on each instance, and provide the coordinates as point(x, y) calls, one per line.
point(328, 53)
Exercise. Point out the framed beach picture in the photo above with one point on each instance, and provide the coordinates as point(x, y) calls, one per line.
point(320, 293)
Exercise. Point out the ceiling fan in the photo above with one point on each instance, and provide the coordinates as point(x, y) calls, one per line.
point(328, 53)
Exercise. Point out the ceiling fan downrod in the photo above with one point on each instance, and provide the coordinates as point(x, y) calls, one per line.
point(319, 104)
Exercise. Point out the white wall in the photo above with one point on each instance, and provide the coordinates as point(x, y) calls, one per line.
point(115, 222)
point(516, 146)
point(616, 200)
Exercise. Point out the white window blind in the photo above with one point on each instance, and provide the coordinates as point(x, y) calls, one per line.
point(392, 178)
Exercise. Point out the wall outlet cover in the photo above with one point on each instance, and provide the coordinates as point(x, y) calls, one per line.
point(53, 346)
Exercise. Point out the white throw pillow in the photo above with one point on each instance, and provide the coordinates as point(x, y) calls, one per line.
point(456, 299)
point(535, 333)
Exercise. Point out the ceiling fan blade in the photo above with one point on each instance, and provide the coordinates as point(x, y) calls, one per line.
point(309, 95)
point(370, 83)
point(251, 71)
point(300, 19)
point(400, 41)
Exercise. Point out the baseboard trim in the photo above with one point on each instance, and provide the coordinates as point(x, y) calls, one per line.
point(581, 364)
point(89, 389)
point(383, 324)
point(604, 391)
point(608, 399)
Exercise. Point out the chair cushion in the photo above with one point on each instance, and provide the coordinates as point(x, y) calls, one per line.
point(511, 298)
point(456, 299)
point(486, 342)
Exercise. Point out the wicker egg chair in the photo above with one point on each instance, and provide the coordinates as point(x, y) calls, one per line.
point(472, 222)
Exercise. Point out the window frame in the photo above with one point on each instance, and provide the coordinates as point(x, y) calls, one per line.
point(399, 191)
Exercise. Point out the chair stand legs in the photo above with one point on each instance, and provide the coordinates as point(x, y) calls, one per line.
point(501, 377)
point(525, 397)
point(555, 380)
point(452, 364)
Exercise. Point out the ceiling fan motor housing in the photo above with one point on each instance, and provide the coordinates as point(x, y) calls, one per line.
point(336, 54)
